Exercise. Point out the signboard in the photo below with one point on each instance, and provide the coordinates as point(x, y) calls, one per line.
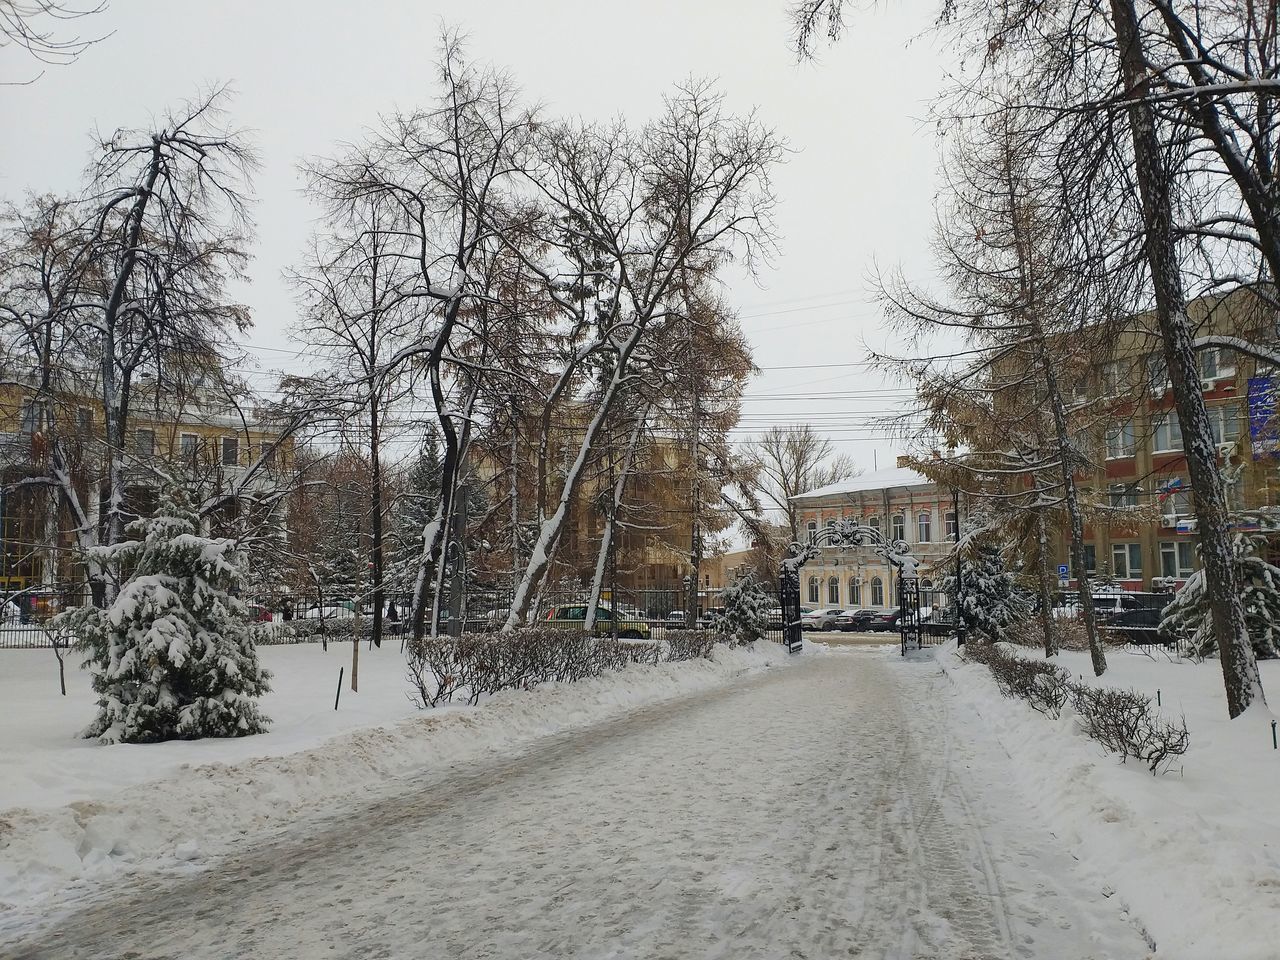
point(1063, 571)
point(1264, 426)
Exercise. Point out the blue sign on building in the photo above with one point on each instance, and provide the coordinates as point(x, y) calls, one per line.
point(1264, 426)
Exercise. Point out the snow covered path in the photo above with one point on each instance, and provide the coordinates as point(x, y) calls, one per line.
point(816, 810)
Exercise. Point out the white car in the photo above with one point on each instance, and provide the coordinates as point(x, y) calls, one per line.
point(823, 618)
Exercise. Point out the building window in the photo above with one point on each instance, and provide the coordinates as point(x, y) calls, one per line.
point(1124, 496)
point(1111, 378)
point(1090, 561)
point(874, 523)
point(230, 451)
point(84, 421)
point(831, 524)
point(33, 415)
point(1168, 433)
point(926, 593)
point(950, 519)
point(813, 590)
point(899, 522)
point(188, 446)
point(812, 529)
point(1120, 441)
point(1224, 422)
point(1175, 499)
point(924, 527)
point(1177, 558)
point(1214, 365)
point(144, 443)
point(1157, 374)
point(855, 592)
point(1126, 560)
point(833, 591)
point(877, 592)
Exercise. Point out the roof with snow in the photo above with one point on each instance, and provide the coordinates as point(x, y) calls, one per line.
point(875, 480)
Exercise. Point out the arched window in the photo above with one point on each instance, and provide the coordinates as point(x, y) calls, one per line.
point(877, 592)
point(813, 530)
point(924, 527)
point(833, 591)
point(813, 590)
point(855, 592)
point(951, 524)
point(874, 523)
point(831, 524)
point(899, 530)
point(926, 593)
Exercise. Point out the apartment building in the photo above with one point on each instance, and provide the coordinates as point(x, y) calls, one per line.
point(1144, 536)
point(899, 502)
point(199, 434)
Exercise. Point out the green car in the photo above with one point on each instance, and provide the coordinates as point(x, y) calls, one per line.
point(575, 615)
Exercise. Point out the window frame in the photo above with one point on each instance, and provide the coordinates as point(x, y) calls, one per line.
point(833, 591)
point(1126, 445)
point(924, 527)
point(1182, 553)
point(898, 526)
point(138, 434)
point(815, 589)
point(1126, 552)
point(222, 452)
point(1168, 424)
point(877, 592)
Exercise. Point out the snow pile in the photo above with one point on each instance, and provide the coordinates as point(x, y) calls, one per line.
point(78, 810)
point(1195, 853)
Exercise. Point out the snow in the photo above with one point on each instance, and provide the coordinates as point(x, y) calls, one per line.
point(1195, 853)
point(73, 808)
point(876, 480)
point(827, 808)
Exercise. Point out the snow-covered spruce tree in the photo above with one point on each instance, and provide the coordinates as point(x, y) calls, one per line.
point(746, 610)
point(989, 599)
point(173, 656)
point(1259, 581)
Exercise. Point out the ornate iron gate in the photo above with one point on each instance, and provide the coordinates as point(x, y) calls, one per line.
point(848, 533)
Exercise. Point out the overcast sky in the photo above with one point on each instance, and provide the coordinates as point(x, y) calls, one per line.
point(859, 187)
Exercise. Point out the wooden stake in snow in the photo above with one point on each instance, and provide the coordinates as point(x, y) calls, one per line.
point(338, 696)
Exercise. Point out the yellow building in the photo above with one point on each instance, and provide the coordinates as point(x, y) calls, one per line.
point(201, 437)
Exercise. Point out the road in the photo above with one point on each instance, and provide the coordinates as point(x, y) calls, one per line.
point(818, 810)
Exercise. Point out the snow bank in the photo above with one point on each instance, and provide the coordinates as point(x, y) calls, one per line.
point(1195, 854)
point(75, 810)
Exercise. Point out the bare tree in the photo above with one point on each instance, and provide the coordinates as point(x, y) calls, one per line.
point(786, 461)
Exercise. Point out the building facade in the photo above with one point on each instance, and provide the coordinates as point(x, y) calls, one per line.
point(902, 504)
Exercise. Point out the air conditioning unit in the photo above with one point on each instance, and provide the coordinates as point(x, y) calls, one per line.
point(1187, 526)
point(1169, 521)
point(1206, 385)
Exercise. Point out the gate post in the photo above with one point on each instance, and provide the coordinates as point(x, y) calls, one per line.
point(789, 600)
point(909, 613)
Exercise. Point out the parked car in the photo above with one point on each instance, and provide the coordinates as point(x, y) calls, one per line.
point(824, 618)
point(709, 617)
point(856, 621)
point(575, 614)
point(675, 619)
point(1109, 604)
point(885, 620)
point(1140, 627)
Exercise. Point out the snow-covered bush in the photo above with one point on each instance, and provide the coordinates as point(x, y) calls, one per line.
point(1188, 614)
point(989, 600)
point(746, 611)
point(1122, 721)
point(173, 655)
point(689, 644)
point(474, 664)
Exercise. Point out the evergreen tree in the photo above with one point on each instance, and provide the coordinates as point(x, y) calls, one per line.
point(990, 601)
point(746, 610)
point(1188, 614)
point(173, 656)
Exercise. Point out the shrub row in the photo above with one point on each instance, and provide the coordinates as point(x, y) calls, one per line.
point(1122, 721)
point(442, 669)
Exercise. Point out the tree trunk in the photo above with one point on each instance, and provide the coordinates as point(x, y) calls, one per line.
point(376, 495)
point(1239, 667)
point(1046, 587)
